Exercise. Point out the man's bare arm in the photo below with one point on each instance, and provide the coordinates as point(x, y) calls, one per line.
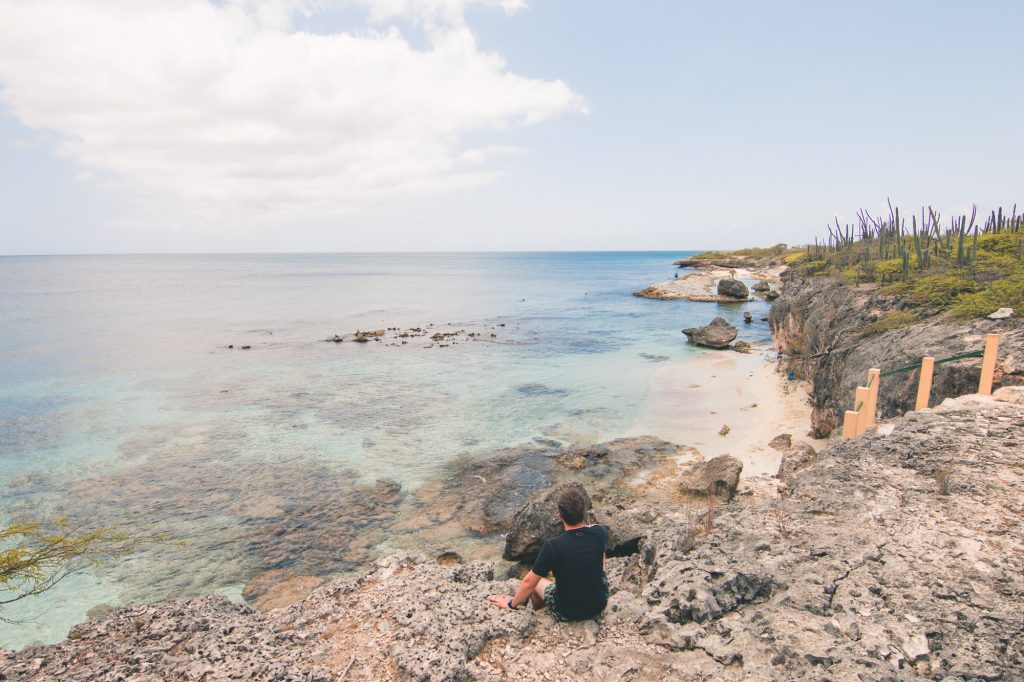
point(522, 595)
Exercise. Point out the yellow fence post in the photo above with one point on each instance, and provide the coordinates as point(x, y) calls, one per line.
point(860, 402)
point(988, 364)
point(924, 383)
point(849, 424)
point(874, 376)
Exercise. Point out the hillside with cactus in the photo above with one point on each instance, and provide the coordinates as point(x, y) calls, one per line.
point(966, 267)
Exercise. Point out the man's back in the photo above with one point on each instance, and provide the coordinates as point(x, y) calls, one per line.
point(577, 559)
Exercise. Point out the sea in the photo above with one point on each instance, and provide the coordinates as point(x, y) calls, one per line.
point(203, 397)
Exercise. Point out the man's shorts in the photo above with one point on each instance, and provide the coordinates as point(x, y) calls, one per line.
point(549, 600)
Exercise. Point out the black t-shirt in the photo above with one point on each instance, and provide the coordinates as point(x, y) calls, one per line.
point(577, 559)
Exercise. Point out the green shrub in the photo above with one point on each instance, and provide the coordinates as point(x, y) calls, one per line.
point(813, 267)
point(751, 252)
point(888, 270)
point(1002, 242)
point(795, 258)
point(998, 262)
point(1003, 293)
point(936, 291)
point(897, 319)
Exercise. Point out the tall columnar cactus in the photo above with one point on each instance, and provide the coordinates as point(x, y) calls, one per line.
point(1020, 249)
point(960, 255)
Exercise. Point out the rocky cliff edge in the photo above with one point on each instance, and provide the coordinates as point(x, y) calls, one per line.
point(896, 556)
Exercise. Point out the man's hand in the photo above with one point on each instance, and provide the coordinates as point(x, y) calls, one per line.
point(500, 600)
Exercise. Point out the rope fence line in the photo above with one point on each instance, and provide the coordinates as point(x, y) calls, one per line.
point(952, 358)
point(865, 402)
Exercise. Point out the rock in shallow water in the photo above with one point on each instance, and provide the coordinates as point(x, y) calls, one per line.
point(718, 334)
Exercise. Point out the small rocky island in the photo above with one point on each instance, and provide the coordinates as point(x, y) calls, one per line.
point(712, 279)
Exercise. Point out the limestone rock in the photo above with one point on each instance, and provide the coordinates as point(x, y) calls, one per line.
point(449, 558)
point(795, 458)
point(719, 476)
point(742, 347)
point(733, 288)
point(717, 334)
point(1001, 314)
point(762, 285)
point(536, 522)
point(279, 588)
point(782, 442)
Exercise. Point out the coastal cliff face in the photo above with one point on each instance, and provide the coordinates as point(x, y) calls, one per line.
point(895, 556)
point(821, 326)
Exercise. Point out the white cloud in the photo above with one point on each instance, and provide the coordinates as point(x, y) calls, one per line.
point(229, 109)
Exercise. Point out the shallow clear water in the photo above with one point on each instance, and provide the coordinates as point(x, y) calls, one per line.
point(120, 401)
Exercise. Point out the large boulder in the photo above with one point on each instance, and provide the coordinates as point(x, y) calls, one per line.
point(718, 334)
point(536, 522)
point(762, 285)
point(719, 476)
point(733, 288)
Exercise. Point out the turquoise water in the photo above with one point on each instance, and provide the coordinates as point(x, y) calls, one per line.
point(120, 400)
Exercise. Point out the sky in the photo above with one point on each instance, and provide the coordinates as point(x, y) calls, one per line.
point(152, 126)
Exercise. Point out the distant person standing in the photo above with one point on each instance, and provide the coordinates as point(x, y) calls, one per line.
point(576, 557)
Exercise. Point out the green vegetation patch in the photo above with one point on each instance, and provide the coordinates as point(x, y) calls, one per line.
point(969, 268)
point(939, 290)
point(897, 319)
point(752, 252)
point(1002, 293)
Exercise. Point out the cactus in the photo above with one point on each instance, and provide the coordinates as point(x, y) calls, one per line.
point(960, 246)
point(1020, 249)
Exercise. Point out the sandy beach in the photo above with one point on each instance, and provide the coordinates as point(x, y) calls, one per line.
point(693, 399)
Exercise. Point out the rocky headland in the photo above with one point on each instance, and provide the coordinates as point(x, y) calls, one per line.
point(898, 555)
point(830, 336)
point(711, 284)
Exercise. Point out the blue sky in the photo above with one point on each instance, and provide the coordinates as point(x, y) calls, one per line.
point(652, 125)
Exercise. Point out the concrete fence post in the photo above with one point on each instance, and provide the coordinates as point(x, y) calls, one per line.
point(924, 383)
point(988, 364)
point(874, 377)
point(849, 424)
point(860, 403)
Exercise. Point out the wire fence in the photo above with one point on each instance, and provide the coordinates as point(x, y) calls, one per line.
point(953, 358)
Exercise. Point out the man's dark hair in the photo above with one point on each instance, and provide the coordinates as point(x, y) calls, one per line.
point(572, 506)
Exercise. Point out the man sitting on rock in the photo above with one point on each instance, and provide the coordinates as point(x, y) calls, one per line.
point(580, 590)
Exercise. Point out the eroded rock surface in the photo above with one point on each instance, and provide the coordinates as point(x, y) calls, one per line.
point(893, 557)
